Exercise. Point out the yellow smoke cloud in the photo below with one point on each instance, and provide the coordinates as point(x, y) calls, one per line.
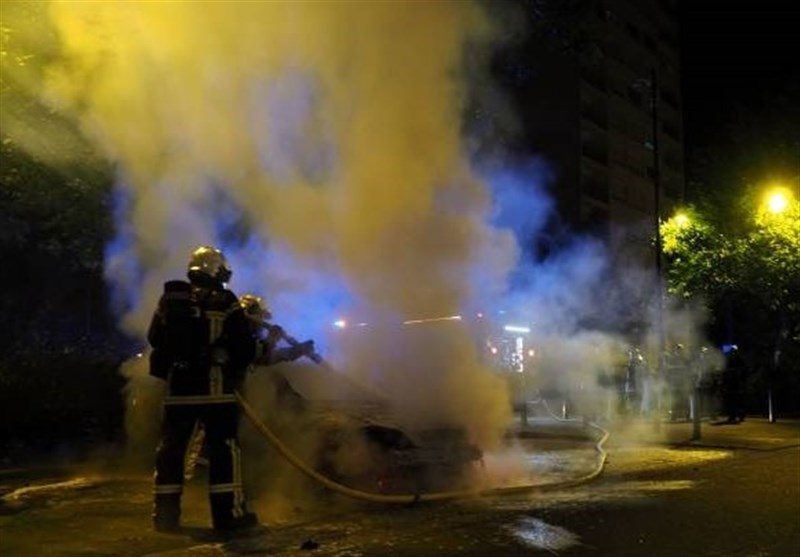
point(336, 129)
point(183, 94)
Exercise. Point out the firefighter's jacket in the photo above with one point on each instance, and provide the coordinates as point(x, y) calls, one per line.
point(201, 343)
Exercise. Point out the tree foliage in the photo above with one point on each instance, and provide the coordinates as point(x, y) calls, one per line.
point(760, 259)
point(746, 265)
point(54, 193)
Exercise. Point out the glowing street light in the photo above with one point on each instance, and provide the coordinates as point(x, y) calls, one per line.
point(674, 227)
point(777, 200)
point(681, 220)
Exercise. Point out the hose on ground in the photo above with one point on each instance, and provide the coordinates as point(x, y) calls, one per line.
point(407, 499)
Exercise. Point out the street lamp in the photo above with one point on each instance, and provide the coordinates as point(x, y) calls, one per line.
point(650, 85)
point(681, 220)
point(777, 199)
point(653, 86)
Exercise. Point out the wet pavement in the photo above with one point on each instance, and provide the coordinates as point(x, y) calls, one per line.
point(734, 492)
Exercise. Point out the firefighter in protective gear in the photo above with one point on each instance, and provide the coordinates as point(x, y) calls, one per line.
point(255, 309)
point(267, 350)
point(202, 345)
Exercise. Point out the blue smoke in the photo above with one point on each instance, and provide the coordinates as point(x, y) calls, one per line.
point(520, 197)
point(123, 269)
point(304, 296)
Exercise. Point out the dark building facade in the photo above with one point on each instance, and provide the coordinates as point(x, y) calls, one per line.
point(631, 123)
point(606, 114)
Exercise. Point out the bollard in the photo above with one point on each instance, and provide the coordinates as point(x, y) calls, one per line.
point(695, 410)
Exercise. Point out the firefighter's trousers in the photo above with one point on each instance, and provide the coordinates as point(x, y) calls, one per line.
point(225, 478)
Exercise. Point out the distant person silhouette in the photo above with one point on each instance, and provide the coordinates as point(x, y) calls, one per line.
point(732, 386)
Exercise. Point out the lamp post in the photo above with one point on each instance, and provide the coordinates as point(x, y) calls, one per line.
point(657, 220)
point(650, 84)
point(694, 363)
point(776, 201)
point(652, 88)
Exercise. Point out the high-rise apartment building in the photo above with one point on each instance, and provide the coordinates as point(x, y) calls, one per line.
point(631, 130)
point(607, 117)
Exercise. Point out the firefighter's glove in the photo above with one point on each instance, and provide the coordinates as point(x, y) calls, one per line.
point(303, 349)
point(275, 334)
point(308, 347)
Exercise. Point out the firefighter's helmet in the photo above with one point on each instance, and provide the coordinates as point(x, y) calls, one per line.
point(206, 263)
point(255, 308)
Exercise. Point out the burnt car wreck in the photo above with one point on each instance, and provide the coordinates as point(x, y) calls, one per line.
point(352, 437)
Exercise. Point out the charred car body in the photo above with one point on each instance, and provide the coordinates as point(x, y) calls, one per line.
point(350, 435)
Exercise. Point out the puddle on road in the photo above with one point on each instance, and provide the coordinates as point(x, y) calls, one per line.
point(623, 466)
point(520, 467)
point(541, 535)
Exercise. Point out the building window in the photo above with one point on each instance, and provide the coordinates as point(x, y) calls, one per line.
point(595, 220)
point(673, 161)
point(595, 185)
point(671, 130)
point(670, 98)
point(595, 77)
point(595, 113)
point(672, 187)
point(596, 151)
point(635, 95)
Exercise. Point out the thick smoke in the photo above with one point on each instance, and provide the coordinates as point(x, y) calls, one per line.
point(320, 128)
point(321, 145)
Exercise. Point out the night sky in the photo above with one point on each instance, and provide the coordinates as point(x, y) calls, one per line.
point(736, 53)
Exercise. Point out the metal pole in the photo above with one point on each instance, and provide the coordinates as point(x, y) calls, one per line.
point(772, 372)
point(657, 224)
point(524, 409)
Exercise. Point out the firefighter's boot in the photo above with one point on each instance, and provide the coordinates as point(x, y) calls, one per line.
point(167, 512)
point(230, 515)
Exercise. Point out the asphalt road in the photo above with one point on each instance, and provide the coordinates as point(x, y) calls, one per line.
point(734, 493)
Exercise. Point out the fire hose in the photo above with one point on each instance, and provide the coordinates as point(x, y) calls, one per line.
point(410, 498)
point(406, 499)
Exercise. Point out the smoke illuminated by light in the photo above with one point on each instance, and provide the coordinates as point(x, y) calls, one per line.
point(432, 320)
point(320, 145)
point(318, 149)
